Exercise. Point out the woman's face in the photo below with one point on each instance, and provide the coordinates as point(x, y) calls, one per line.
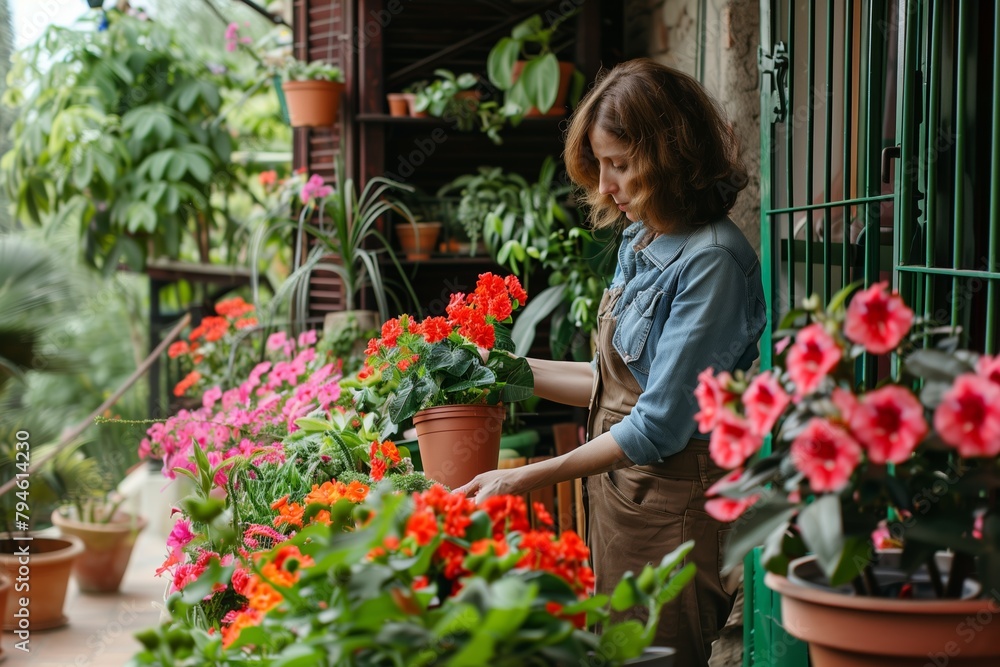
point(615, 178)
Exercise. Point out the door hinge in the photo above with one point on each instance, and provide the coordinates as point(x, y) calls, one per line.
point(775, 64)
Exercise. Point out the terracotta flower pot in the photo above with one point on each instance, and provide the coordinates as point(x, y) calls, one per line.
point(5, 588)
point(411, 103)
point(846, 630)
point(45, 573)
point(457, 442)
point(398, 104)
point(566, 70)
point(418, 241)
point(313, 103)
point(107, 549)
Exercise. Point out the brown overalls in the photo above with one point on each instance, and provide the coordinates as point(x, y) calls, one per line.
point(638, 515)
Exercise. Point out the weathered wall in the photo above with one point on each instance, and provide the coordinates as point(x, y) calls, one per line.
point(721, 50)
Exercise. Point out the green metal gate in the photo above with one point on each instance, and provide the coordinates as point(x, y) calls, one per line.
point(880, 160)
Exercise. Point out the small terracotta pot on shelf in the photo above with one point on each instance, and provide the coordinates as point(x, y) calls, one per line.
point(411, 102)
point(418, 240)
point(399, 104)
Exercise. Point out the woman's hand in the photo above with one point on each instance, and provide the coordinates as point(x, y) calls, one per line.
point(495, 483)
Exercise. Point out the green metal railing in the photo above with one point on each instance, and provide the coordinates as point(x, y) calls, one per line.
point(905, 96)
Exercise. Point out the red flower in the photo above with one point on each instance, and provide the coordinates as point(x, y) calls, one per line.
point(499, 307)
point(233, 308)
point(827, 455)
point(968, 417)
point(373, 347)
point(435, 329)
point(732, 440)
point(516, 291)
point(889, 422)
point(712, 397)
point(267, 178)
point(490, 286)
point(480, 333)
point(508, 513)
point(246, 322)
point(542, 515)
point(177, 349)
point(764, 401)
point(877, 319)
point(811, 357)
point(391, 331)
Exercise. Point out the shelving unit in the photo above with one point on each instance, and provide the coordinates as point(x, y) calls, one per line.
point(385, 45)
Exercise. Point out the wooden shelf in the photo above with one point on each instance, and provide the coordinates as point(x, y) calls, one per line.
point(430, 120)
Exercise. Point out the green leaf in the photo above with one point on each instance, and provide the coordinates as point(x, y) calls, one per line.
point(622, 640)
point(454, 360)
point(538, 308)
point(856, 555)
point(755, 526)
point(823, 532)
point(626, 594)
point(500, 62)
point(541, 81)
point(935, 365)
point(480, 377)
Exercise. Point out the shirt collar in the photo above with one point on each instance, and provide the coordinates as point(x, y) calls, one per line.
point(662, 251)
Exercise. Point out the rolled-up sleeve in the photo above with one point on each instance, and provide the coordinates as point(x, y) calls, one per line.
point(708, 325)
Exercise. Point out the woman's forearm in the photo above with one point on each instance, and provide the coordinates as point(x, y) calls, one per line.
point(567, 382)
point(593, 458)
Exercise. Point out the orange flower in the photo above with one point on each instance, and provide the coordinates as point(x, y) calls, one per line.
point(267, 178)
point(245, 619)
point(356, 492)
point(233, 308)
point(422, 526)
point(189, 381)
point(246, 322)
point(290, 513)
point(389, 451)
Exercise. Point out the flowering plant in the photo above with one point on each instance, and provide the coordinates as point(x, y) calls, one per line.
point(212, 348)
point(429, 579)
point(437, 361)
point(854, 471)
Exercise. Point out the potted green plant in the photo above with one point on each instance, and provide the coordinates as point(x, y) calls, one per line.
point(914, 461)
point(312, 91)
point(451, 97)
point(525, 67)
point(108, 535)
point(439, 379)
point(489, 190)
point(410, 93)
point(348, 241)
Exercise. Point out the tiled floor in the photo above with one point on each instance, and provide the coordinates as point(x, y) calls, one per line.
point(99, 633)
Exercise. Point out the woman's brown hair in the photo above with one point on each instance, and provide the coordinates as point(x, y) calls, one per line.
point(682, 155)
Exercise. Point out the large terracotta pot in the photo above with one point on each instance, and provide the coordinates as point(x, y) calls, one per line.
point(457, 442)
point(566, 70)
point(5, 588)
point(107, 549)
point(418, 240)
point(846, 630)
point(44, 573)
point(313, 103)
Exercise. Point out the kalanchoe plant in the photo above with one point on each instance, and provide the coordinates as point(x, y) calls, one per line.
point(431, 579)
point(437, 361)
point(914, 460)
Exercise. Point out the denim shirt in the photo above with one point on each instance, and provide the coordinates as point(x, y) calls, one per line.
point(690, 300)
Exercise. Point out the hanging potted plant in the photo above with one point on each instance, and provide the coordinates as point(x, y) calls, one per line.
point(453, 392)
point(312, 92)
point(855, 472)
point(536, 82)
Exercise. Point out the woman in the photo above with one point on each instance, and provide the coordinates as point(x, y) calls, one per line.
point(652, 153)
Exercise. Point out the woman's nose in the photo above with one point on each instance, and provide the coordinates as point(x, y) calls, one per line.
point(606, 185)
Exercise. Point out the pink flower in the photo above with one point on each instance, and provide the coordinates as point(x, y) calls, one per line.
point(877, 319)
point(968, 417)
point(180, 534)
point(732, 440)
point(211, 396)
point(989, 368)
point(882, 537)
point(764, 401)
point(889, 423)
point(811, 357)
point(276, 341)
point(314, 188)
point(712, 396)
point(826, 454)
point(307, 338)
point(727, 509)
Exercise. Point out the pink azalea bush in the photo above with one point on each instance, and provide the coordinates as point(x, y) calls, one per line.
point(914, 461)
